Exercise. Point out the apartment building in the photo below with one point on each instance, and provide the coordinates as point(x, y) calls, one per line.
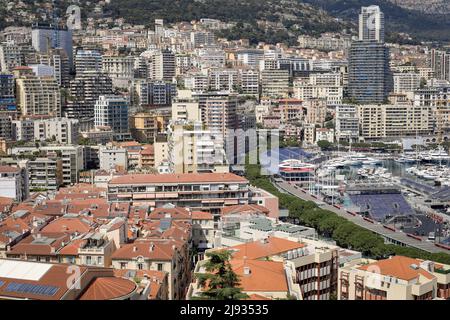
point(323, 85)
point(219, 112)
point(196, 82)
point(156, 93)
point(439, 62)
point(326, 42)
point(310, 267)
point(170, 256)
point(195, 150)
point(381, 121)
point(72, 158)
point(163, 65)
point(120, 69)
point(113, 158)
point(249, 82)
point(13, 183)
point(223, 80)
point(84, 92)
point(396, 278)
point(369, 75)
point(438, 99)
point(88, 60)
point(201, 192)
point(186, 109)
point(45, 37)
point(112, 111)
point(406, 83)
point(26, 280)
point(45, 173)
point(347, 122)
point(145, 126)
point(37, 95)
point(275, 83)
point(11, 56)
point(60, 130)
point(316, 111)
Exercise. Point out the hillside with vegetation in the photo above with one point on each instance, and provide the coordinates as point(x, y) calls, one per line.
point(429, 26)
point(258, 20)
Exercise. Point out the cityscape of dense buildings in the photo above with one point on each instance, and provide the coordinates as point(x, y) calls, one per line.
point(123, 148)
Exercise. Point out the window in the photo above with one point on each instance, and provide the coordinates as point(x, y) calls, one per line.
point(123, 265)
point(88, 260)
point(160, 267)
point(140, 266)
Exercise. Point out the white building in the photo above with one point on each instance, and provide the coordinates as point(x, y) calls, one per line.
point(61, 130)
point(112, 111)
point(14, 183)
point(325, 134)
point(406, 83)
point(112, 158)
point(323, 85)
point(347, 122)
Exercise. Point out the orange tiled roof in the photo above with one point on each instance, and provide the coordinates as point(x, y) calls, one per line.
point(244, 208)
point(178, 178)
point(265, 276)
point(257, 297)
point(175, 213)
point(258, 249)
point(69, 225)
point(162, 250)
point(398, 267)
point(109, 288)
point(26, 246)
point(201, 215)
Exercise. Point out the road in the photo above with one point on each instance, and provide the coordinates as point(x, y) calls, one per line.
point(397, 237)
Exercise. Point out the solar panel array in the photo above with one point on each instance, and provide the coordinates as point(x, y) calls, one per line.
point(1, 283)
point(418, 186)
point(443, 194)
point(382, 205)
point(31, 288)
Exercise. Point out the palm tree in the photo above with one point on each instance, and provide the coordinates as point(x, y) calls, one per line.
point(221, 281)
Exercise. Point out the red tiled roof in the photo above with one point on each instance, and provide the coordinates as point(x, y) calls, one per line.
point(244, 208)
point(178, 178)
point(162, 250)
point(265, 276)
point(175, 213)
point(9, 169)
point(69, 225)
point(109, 288)
point(398, 267)
point(201, 215)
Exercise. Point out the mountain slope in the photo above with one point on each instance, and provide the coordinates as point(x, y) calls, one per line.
point(424, 26)
point(428, 6)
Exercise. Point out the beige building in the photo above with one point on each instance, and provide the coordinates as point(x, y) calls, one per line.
point(145, 126)
point(37, 95)
point(275, 83)
point(381, 121)
point(194, 150)
point(279, 267)
point(166, 255)
point(327, 85)
point(185, 108)
point(396, 278)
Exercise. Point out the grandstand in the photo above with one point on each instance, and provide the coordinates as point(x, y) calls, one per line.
point(380, 203)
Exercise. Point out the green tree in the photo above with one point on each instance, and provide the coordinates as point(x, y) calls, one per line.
point(221, 281)
point(324, 144)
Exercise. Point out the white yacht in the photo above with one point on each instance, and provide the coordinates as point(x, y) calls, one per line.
point(438, 154)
